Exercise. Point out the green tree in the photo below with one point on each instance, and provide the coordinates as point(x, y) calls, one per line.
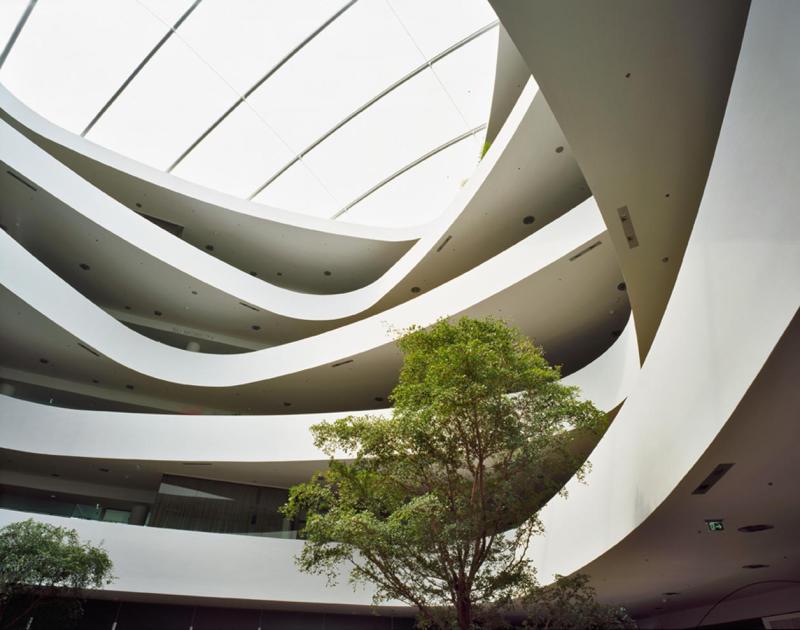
point(43, 569)
point(436, 505)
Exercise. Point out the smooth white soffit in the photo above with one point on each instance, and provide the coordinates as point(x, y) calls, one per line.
point(257, 98)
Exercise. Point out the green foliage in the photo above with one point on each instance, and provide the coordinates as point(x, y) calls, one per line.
point(39, 562)
point(569, 604)
point(437, 505)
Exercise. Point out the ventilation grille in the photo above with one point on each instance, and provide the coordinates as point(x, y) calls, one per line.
point(88, 349)
point(444, 242)
point(790, 620)
point(585, 251)
point(719, 471)
point(172, 228)
point(627, 227)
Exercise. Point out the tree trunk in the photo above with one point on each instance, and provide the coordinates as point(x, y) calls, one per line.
point(464, 609)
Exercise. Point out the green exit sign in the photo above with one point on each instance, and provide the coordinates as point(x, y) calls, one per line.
point(715, 525)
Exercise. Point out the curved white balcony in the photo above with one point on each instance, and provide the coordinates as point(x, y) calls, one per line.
point(562, 260)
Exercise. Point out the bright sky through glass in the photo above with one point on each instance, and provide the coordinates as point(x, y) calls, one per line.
point(293, 141)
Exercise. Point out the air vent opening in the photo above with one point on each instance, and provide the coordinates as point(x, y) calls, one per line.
point(719, 471)
point(167, 226)
point(585, 251)
point(627, 227)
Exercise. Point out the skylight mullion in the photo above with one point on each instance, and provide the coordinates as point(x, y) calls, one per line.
point(138, 68)
point(285, 59)
point(17, 30)
point(428, 64)
point(409, 166)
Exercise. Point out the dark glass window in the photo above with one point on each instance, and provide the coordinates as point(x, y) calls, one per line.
point(218, 506)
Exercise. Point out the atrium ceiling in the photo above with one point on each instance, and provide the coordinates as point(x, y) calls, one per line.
point(293, 105)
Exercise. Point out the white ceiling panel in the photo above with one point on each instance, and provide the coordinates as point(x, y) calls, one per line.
point(422, 193)
point(436, 24)
point(165, 108)
point(412, 120)
point(298, 190)
point(168, 11)
point(72, 56)
point(468, 76)
point(355, 58)
point(236, 155)
point(244, 39)
point(10, 13)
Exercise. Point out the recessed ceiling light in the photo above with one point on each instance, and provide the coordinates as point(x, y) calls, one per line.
point(327, 273)
point(665, 259)
point(158, 313)
point(95, 381)
point(667, 195)
point(253, 273)
point(55, 475)
point(287, 404)
point(129, 386)
point(255, 327)
point(138, 205)
point(528, 220)
point(622, 286)
point(415, 289)
point(559, 149)
point(755, 566)
point(194, 292)
point(44, 361)
point(616, 333)
point(749, 529)
point(628, 75)
point(105, 470)
point(378, 399)
point(210, 248)
point(278, 273)
point(127, 308)
point(669, 593)
point(84, 266)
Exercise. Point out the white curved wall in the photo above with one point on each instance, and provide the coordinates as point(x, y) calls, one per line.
point(48, 173)
point(736, 293)
point(42, 429)
point(145, 176)
point(182, 563)
point(44, 291)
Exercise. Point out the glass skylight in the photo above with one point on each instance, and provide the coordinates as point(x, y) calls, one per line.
point(421, 193)
point(318, 107)
point(70, 57)
point(171, 102)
